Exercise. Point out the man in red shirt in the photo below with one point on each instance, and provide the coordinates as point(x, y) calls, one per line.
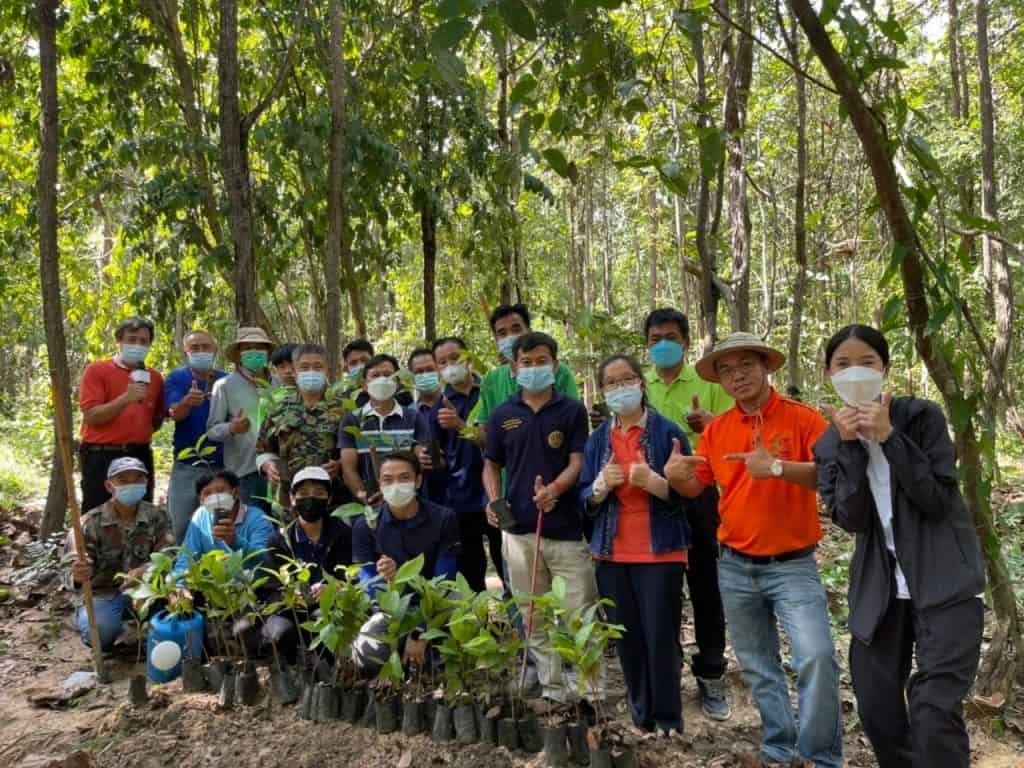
point(759, 455)
point(122, 405)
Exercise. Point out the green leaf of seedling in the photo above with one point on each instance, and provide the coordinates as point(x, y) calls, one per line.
point(409, 570)
point(207, 450)
point(186, 453)
point(351, 510)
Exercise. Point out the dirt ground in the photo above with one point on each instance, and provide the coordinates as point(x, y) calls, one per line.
point(39, 649)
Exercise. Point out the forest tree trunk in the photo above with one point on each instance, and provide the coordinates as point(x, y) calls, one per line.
point(996, 677)
point(234, 158)
point(335, 191)
point(799, 205)
point(49, 258)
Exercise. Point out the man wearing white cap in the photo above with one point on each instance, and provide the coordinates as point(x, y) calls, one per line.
point(322, 542)
point(759, 453)
point(119, 536)
point(234, 411)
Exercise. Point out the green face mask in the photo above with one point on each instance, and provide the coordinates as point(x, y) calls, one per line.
point(254, 359)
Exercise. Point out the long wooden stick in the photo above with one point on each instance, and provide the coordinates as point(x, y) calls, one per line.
point(64, 445)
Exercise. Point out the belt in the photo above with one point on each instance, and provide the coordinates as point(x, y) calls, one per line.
point(768, 559)
point(113, 447)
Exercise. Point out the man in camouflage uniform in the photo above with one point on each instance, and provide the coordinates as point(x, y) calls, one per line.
point(119, 537)
point(301, 430)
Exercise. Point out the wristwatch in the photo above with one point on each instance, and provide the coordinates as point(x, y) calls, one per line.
point(776, 468)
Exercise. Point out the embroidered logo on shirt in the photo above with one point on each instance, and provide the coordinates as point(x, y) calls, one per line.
point(510, 424)
point(555, 439)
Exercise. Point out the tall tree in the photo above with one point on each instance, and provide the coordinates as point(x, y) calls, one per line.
point(998, 673)
point(49, 256)
point(336, 191)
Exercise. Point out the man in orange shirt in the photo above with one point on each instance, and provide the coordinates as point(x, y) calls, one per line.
point(759, 455)
point(122, 405)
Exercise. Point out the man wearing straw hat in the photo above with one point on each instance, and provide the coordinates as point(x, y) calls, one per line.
point(234, 408)
point(759, 455)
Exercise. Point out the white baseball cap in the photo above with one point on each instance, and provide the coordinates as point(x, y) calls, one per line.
point(126, 464)
point(311, 473)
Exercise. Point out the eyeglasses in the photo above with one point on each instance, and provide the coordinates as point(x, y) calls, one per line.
point(612, 386)
point(728, 372)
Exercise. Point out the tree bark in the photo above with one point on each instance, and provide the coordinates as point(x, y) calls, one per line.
point(799, 205)
point(504, 140)
point(959, 105)
point(995, 263)
point(49, 257)
point(996, 677)
point(740, 55)
point(234, 159)
point(336, 191)
point(425, 195)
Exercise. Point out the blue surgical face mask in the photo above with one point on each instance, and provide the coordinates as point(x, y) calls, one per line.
point(666, 353)
point(133, 354)
point(624, 401)
point(505, 346)
point(130, 495)
point(200, 361)
point(355, 372)
point(535, 379)
point(311, 381)
point(428, 383)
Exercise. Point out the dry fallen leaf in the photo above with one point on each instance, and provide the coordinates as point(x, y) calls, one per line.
point(405, 760)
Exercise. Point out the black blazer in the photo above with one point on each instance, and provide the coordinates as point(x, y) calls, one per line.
point(936, 543)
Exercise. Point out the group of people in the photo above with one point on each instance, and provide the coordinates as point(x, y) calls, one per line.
point(699, 471)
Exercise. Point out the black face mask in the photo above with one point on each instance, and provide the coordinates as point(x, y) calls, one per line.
point(312, 509)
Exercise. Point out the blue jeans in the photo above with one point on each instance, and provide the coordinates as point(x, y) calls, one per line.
point(757, 598)
point(181, 495)
point(110, 613)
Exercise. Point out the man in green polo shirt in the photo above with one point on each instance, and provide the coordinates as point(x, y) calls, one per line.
point(509, 322)
point(678, 393)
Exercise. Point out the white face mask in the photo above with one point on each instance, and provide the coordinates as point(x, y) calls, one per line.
point(382, 388)
point(454, 374)
point(220, 501)
point(399, 494)
point(858, 384)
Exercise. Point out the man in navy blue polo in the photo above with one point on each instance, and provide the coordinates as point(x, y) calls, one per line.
point(383, 427)
point(187, 402)
point(406, 527)
point(462, 475)
point(538, 438)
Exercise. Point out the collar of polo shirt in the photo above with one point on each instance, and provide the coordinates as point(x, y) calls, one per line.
point(368, 410)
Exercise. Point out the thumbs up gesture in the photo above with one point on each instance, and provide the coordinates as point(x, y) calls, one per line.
point(544, 496)
point(448, 417)
point(239, 423)
point(194, 396)
point(759, 461)
point(873, 419)
point(639, 471)
point(681, 469)
point(697, 418)
point(845, 419)
point(613, 474)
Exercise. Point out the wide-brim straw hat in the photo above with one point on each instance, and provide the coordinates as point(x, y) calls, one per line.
point(248, 335)
point(738, 342)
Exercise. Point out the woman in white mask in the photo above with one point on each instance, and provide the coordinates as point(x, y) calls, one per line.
point(887, 473)
point(639, 541)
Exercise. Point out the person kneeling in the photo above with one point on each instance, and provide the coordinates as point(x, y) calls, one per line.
point(119, 536)
point(406, 527)
point(320, 542)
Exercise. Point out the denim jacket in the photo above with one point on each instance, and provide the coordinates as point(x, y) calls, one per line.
point(669, 529)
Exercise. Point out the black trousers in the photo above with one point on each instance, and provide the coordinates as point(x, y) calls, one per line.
point(94, 462)
point(472, 559)
point(648, 601)
point(702, 580)
point(947, 644)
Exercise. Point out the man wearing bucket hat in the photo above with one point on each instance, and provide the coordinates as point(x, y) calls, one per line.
point(234, 410)
point(119, 536)
point(759, 453)
point(315, 538)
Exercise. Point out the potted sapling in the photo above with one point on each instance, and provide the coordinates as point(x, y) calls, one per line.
point(435, 610)
point(496, 651)
point(290, 595)
point(175, 623)
point(399, 604)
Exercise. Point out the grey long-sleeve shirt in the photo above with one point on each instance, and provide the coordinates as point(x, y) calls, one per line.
point(231, 394)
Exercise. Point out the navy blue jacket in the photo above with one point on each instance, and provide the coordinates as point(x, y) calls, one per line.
point(669, 529)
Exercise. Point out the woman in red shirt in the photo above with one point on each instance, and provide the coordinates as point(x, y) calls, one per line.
point(639, 541)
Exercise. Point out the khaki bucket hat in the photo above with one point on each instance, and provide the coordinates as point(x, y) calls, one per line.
point(248, 335)
point(738, 342)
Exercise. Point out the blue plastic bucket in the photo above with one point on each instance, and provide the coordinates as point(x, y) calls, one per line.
point(187, 632)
